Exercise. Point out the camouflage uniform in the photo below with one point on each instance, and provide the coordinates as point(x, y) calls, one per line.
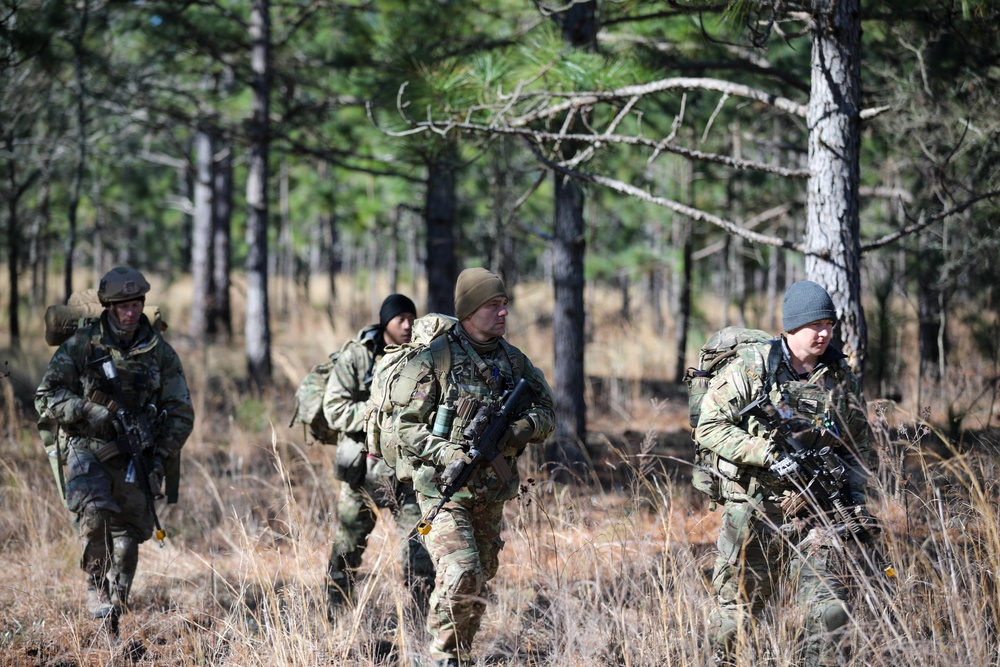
point(112, 515)
point(464, 540)
point(366, 479)
point(760, 542)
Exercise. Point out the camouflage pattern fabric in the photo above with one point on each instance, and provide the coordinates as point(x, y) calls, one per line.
point(366, 480)
point(415, 399)
point(465, 545)
point(464, 540)
point(761, 549)
point(107, 508)
point(348, 386)
point(356, 520)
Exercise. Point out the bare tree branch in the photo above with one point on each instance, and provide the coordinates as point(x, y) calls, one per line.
point(677, 207)
point(580, 99)
point(927, 222)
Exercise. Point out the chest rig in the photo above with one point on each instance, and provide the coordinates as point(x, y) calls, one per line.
point(139, 378)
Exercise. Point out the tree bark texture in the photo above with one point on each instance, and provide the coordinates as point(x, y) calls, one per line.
point(257, 328)
point(568, 324)
point(221, 322)
point(81, 147)
point(13, 247)
point(201, 242)
point(440, 208)
point(833, 249)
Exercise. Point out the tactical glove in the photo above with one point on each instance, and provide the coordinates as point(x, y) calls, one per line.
point(784, 466)
point(517, 437)
point(99, 420)
point(456, 464)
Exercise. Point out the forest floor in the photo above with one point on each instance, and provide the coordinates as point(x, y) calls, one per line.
point(610, 569)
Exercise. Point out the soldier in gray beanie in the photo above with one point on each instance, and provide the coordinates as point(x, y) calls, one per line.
point(760, 488)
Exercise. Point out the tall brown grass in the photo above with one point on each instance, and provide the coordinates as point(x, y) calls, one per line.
point(610, 571)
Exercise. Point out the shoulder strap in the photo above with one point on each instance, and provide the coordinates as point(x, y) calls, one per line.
point(772, 364)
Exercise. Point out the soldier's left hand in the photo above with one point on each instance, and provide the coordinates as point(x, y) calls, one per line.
point(517, 437)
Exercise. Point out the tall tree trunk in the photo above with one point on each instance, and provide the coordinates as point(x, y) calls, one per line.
point(285, 255)
point(832, 234)
point(81, 147)
point(685, 239)
point(37, 247)
point(568, 247)
point(202, 237)
point(442, 267)
point(221, 322)
point(257, 329)
point(392, 261)
point(579, 30)
point(13, 245)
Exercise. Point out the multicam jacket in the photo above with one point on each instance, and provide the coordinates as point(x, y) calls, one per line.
point(743, 446)
point(347, 388)
point(150, 372)
point(473, 379)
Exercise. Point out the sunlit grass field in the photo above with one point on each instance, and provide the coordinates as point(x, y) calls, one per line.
point(609, 570)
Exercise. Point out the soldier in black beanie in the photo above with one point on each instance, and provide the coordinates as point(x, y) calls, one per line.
point(364, 477)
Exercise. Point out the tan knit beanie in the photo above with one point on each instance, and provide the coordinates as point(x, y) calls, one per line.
point(474, 288)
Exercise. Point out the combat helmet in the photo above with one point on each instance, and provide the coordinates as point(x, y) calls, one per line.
point(122, 284)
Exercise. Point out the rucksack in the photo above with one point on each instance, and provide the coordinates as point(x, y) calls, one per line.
point(310, 392)
point(429, 332)
point(717, 352)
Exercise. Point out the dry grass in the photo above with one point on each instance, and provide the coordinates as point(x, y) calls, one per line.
point(591, 574)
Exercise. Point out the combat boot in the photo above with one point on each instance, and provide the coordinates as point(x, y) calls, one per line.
point(98, 598)
point(339, 593)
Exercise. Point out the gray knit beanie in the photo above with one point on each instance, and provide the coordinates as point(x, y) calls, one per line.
point(806, 302)
point(475, 287)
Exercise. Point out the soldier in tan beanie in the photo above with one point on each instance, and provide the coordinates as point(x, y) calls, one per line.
point(464, 540)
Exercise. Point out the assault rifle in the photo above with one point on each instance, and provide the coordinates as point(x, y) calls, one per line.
point(824, 476)
point(485, 431)
point(135, 428)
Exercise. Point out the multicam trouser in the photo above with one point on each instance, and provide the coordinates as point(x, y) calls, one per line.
point(112, 517)
point(375, 482)
point(465, 544)
point(759, 554)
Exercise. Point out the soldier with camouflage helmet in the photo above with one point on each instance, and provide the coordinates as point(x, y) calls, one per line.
point(771, 533)
point(112, 515)
point(365, 478)
point(464, 540)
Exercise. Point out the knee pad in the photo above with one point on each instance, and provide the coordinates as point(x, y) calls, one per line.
point(463, 574)
point(126, 555)
point(833, 615)
point(92, 522)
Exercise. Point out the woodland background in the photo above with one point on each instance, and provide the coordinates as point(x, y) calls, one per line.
point(640, 173)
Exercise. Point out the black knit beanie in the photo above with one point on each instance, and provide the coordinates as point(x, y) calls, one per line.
point(395, 304)
point(806, 302)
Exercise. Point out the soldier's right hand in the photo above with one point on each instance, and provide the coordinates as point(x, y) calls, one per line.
point(784, 466)
point(100, 421)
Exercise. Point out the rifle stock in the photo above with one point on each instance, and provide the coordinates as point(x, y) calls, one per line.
point(485, 431)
